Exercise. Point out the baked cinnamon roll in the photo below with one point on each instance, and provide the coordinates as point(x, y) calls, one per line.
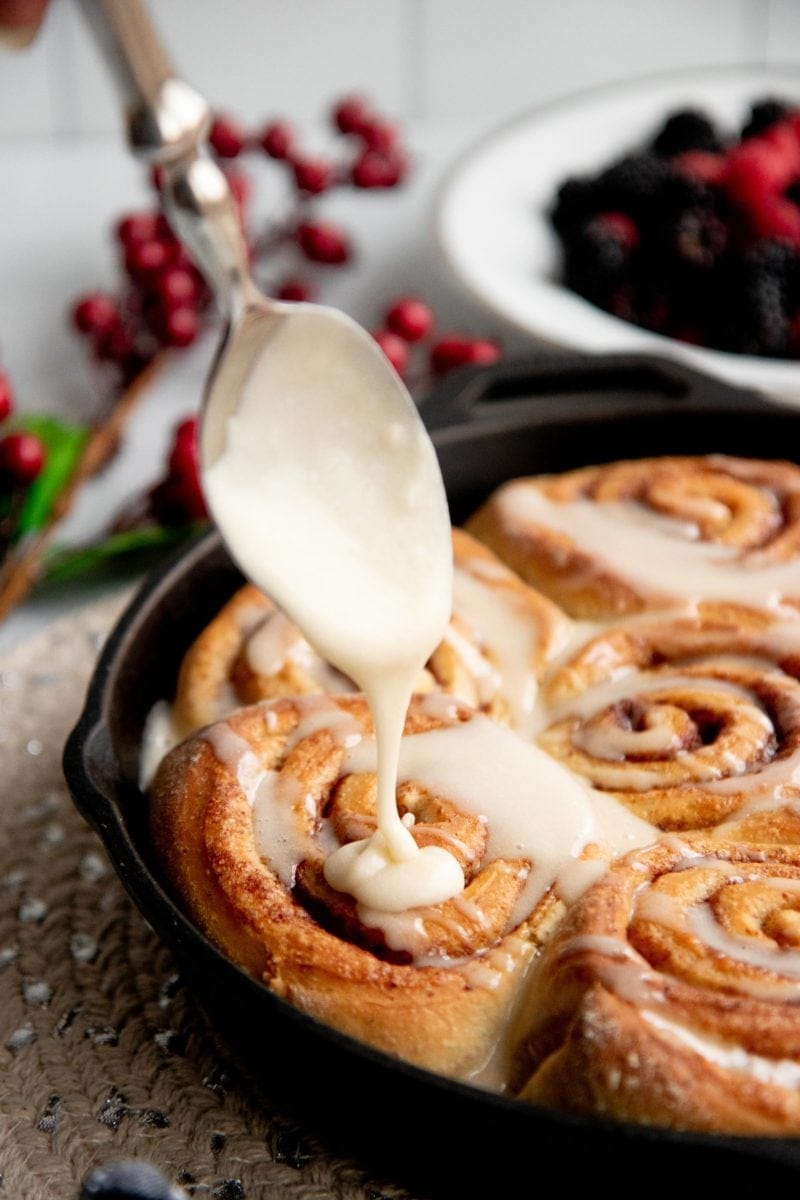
point(604, 541)
point(501, 636)
point(244, 815)
point(669, 994)
point(690, 719)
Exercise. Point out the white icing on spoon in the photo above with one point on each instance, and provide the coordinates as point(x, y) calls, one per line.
point(331, 500)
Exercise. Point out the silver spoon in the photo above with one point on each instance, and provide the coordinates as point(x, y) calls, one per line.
point(167, 123)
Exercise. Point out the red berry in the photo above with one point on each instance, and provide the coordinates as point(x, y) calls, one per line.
point(139, 227)
point(183, 458)
point(22, 456)
point(313, 175)
point(277, 139)
point(352, 114)
point(143, 259)
point(395, 349)
point(6, 397)
point(323, 243)
point(240, 186)
point(620, 226)
point(177, 287)
point(701, 164)
point(114, 345)
point(226, 137)
point(95, 314)
point(455, 350)
point(482, 351)
point(379, 136)
point(775, 216)
point(293, 289)
point(410, 318)
point(374, 170)
point(179, 326)
point(755, 168)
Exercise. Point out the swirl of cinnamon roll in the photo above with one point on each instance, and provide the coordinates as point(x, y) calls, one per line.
point(688, 718)
point(670, 993)
point(245, 813)
point(608, 540)
point(499, 639)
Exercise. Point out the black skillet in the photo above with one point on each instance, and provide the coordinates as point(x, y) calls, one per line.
point(437, 1135)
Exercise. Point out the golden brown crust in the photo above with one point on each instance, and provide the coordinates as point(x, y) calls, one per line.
point(647, 1006)
point(202, 828)
point(751, 505)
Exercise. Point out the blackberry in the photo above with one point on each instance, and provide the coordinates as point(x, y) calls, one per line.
point(632, 184)
point(763, 115)
point(687, 129)
point(698, 239)
point(596, 261)
point(576, 201)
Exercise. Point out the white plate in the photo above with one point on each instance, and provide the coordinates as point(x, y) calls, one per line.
point(491, 212)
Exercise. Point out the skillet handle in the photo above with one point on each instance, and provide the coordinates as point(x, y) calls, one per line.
point(635, 381)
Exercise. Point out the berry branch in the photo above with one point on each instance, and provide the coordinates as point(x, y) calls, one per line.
point(163, 304)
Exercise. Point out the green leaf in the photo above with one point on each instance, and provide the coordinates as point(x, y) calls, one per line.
point(64, 445)
point(143, 541)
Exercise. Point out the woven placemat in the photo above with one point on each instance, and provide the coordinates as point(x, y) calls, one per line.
point(103, 1054)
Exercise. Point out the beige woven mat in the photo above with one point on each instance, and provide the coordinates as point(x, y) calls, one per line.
point(103, 1055)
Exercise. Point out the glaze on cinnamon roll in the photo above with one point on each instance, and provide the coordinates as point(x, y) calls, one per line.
point(691, 719)
point(500, 637)
point(609, 540)
point(670, 993)
point(244, 815)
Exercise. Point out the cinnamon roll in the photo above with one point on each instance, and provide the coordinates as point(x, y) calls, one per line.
point(245, 814)
point(500, 637)
point(669, 994)
point(690, 719)
point(608, 540)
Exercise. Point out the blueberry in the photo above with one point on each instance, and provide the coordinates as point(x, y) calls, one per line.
point(135, 1180)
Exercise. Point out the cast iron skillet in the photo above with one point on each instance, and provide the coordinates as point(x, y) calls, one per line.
point(488, 425)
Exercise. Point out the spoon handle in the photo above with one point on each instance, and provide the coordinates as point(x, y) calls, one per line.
point(167, 123)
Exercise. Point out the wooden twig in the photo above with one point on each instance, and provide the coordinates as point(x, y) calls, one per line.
point(23, 564)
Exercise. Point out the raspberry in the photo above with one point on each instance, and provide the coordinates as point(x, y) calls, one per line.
point(685, 130)
point(772, 216)
point(410, 318)
point(395, 349)
point(754, 169)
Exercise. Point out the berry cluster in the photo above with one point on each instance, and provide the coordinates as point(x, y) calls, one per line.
point(409, 323)
point(22, 454)
point(178, 498)
point(163, 299)
point(697, 236)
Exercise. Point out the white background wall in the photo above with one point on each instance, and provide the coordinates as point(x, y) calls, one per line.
point(475, 60)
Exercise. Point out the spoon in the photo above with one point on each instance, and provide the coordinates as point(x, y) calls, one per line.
point(167, 123)
point(316, 465)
